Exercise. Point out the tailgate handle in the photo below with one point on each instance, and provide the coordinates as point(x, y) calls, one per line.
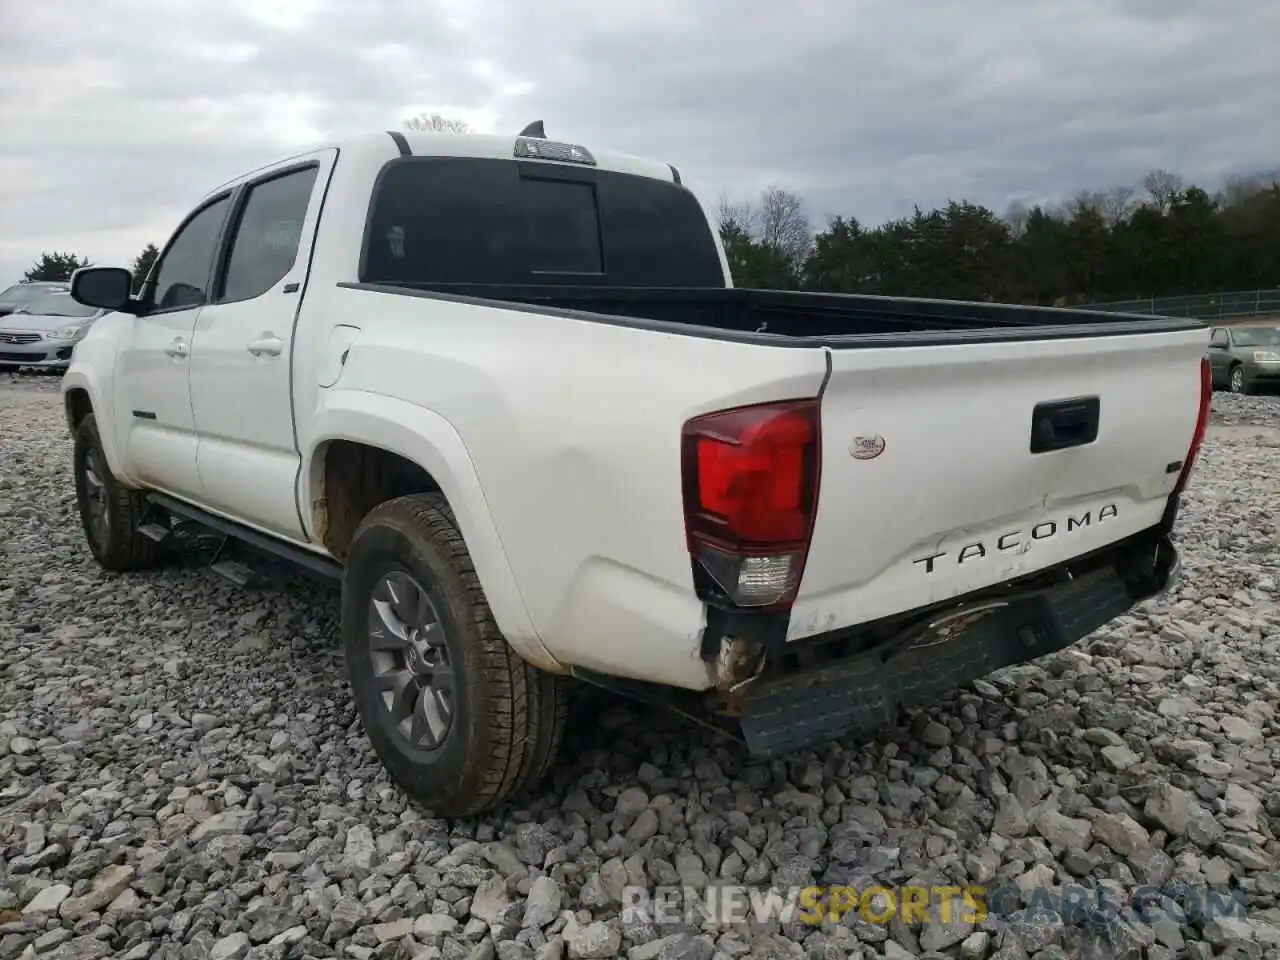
point(1059, 424)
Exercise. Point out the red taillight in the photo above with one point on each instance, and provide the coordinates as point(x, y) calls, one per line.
point(750, 494)
point(1202, 424)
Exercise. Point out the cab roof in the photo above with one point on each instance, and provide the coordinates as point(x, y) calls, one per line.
point(376, 148)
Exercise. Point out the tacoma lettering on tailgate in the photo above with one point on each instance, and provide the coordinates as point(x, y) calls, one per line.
point(1016, 540)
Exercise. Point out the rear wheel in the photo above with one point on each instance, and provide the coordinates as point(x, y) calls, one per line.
point(109, 512)
point(459, 720)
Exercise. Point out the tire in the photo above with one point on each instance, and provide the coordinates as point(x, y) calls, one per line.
point(109, 512)
point(1239, 382)
point(408, 565)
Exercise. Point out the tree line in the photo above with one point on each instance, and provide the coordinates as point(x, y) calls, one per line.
point(1161, 238)
point(57, 265)
point(1166, 238)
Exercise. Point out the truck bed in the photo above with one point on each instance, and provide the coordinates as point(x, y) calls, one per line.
point(961, 446)
point(833, 319)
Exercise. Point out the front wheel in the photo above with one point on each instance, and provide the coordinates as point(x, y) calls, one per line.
point(109, 512)
point(1238, 382)
point(459, 720)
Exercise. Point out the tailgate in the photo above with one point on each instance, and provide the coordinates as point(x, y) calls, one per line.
point(930, 488)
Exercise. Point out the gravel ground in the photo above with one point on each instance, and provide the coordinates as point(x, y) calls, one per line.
point(182, 774)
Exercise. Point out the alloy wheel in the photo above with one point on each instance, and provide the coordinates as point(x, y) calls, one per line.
point(412, 668)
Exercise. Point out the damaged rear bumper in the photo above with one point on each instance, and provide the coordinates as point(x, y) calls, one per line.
point(862, 693)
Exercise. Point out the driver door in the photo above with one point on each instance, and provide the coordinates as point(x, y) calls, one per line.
point(153, 391)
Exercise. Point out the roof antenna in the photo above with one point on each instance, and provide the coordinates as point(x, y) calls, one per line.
point(534, 130)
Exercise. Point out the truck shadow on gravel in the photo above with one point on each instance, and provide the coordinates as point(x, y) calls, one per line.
point(610, 741)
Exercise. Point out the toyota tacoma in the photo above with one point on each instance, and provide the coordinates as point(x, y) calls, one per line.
point(504, 391)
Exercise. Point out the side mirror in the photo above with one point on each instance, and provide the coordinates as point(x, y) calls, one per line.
point(108, 288)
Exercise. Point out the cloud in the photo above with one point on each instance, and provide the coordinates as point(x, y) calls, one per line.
point(115, 117)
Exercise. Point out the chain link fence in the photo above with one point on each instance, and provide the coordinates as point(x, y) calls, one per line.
point(1235, 306)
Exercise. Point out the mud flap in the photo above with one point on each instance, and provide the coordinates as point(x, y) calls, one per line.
point(861, 694)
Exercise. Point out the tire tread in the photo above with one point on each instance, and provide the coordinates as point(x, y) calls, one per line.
point(528, 707)
point(128, 550)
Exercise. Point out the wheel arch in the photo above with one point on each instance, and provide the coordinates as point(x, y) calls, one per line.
point(81, 396)
point(77, 405)
point(369, 448)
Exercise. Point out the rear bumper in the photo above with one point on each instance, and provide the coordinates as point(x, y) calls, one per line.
point(863, 693)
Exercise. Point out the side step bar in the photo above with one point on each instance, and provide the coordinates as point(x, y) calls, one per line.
point(241, 574)
point(158, 532)
point(230, 534)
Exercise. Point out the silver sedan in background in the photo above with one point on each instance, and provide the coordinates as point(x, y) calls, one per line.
point(42, 332)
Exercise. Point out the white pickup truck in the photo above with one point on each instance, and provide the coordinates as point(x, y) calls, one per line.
point(504, 390)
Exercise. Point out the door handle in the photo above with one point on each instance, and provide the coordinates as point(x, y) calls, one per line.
point(268, 345)
point(178, 348)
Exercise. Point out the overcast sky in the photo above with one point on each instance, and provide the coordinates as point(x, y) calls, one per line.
point(115, 116)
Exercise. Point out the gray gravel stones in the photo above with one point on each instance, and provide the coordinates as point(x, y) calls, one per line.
point(1234, 410)
point(182, 776)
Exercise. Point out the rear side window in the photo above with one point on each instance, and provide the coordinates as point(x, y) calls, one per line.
point(268, 234)
point(454, 220)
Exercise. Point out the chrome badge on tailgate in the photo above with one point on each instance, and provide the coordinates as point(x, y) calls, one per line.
point(1014, 541)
